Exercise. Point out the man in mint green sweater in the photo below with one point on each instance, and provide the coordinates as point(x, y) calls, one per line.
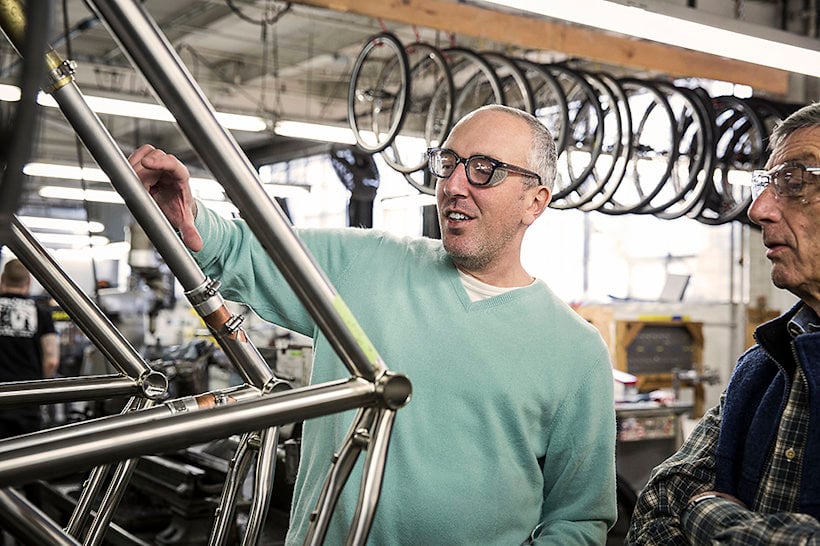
point(510, 434)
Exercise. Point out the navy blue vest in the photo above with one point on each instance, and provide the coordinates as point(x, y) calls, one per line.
point(754, 401)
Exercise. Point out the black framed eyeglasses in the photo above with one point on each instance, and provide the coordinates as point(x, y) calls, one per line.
point(481, 170)
point(789, 179)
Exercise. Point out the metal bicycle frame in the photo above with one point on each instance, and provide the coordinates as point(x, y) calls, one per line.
point(255, 409)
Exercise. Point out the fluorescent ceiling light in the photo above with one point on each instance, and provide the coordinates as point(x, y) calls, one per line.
point(9, 93)
point(95, 174)
point(67, 172)
point(71, 240)
point(314, 131)
point(79, 194)
point(61, 224)
point(143, 110)
point(333, 133)
point(140, 110)
point(111, 251)
point(642, 23)
point(206, 189)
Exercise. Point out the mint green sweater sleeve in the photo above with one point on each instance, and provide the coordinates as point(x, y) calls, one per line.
point(510, 431)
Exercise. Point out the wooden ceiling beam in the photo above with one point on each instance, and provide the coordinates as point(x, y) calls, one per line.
point(576, 41)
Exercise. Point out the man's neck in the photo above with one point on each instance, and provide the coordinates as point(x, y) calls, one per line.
point(504, 279)
point(13, 290)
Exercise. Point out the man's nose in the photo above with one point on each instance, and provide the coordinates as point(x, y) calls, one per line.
point(457, 183)
point(764, 207)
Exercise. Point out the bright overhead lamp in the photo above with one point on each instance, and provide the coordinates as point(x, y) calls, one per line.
point(140, 110)
point(206, 189)
point(71, 240)
point(112, 251)
point(9, 93)
point(95, 174)
point(239, 122)
point(61, 224)
point(314, 131)
point(67, 172)
point(767, 46)
point(80, 194)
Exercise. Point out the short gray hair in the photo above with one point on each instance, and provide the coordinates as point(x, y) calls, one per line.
point(543, 156)
point(808, 116)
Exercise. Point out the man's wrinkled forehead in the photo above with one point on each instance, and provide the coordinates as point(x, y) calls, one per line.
point(801, 146)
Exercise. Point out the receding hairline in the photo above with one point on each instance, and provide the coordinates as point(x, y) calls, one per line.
point(807, 117)
point(542, 157)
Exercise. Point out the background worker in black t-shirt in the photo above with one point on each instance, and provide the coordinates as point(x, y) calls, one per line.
point(29, 348)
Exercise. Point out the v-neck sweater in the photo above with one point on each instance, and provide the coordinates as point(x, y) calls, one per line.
point(510, 430)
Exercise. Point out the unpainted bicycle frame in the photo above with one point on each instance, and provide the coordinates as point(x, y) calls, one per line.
point(147, 425)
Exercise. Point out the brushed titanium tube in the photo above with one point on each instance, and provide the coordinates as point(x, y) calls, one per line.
point(67, 389)
point(110, 501)
point(237, 470)
point(110, 158)
point(262, 485)
point(156, 59)
point(336, 478)
point(262, 446)
point(125, 436)
point(77, 431)
point(372, 477)
point(99, 141)
point(90, 491)
point(116, 487)
point(24, 520)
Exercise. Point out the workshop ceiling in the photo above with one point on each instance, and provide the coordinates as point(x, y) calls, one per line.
point(281, 60)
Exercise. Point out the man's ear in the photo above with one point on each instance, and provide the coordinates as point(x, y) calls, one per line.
point(540, 199)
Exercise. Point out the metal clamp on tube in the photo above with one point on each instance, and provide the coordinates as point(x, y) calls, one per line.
point(60, 71)
point(225, 327)
point(206, 298)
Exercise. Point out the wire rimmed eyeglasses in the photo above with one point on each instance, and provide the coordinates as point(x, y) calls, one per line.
point(789, 179)
point(481, 170)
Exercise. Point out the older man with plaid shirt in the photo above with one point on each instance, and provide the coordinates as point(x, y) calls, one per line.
point(750, 472)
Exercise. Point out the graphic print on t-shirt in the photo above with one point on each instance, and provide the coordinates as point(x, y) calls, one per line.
point(18, 317)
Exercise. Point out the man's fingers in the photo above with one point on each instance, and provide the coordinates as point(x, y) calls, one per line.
point(139, 153)
point(166, 179)
point(153, 165)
